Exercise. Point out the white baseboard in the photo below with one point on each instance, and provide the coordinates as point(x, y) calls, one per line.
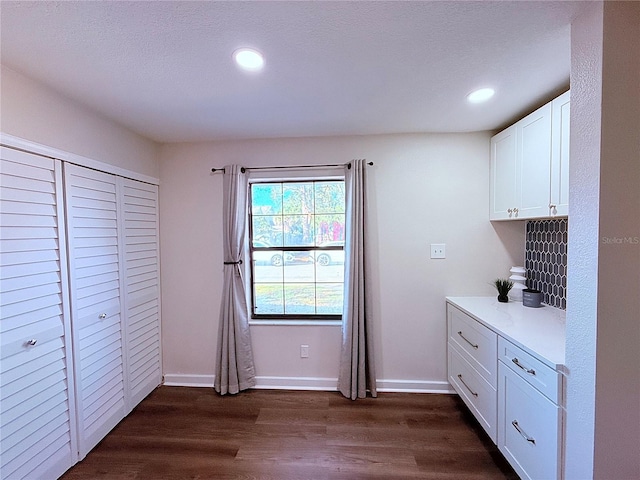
point(297, 383)
point(414, 386)
point(179, 380)
point(311, 383)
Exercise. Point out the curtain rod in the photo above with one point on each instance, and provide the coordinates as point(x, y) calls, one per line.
point(243, 169)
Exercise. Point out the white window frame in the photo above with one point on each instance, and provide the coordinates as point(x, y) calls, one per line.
point(311, 174)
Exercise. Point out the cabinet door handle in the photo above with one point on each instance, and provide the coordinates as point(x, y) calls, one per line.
point(31, 342)
point(464, 383)
point(515, 211)
point(509, 211)
point(521, 432)
point(530, 371)
point(474, 345)
point(102, 316)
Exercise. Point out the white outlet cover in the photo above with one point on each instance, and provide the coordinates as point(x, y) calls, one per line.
point(438, 250)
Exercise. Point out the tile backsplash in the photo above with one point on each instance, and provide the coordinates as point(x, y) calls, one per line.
point(546, 259)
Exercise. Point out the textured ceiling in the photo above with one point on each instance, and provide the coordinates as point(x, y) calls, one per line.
point(164, 69)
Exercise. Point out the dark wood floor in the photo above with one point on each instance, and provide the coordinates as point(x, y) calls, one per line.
point(180, 433)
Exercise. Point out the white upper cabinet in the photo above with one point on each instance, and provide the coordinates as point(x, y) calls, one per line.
point(560, 111)
point(529, 165)
point(533, 163)
point(37, 408)
point(503, 174)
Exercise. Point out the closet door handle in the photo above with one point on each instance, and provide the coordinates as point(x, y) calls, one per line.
point(474, 345)
point(102, 316)
point(521, 432)
point(530, 371)
point(465, 384)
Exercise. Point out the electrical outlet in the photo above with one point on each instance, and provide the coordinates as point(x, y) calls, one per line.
point(304, 351)
point(438, 250)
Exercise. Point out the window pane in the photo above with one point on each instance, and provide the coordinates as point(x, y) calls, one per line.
point(266, 198)
point(297, 198)
point(267, 230)
point(269, 299)
point(329, 197)
point(298, 230)
point(332, 272)
point(329, 228)
point(268, 272)
point(299, 267)
point(299, 298)
point(329, 298)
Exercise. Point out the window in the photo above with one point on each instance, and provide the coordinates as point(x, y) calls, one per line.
point(297, 249)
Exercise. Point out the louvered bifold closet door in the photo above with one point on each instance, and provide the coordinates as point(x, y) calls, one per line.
point(139, 212)
point(95, 273)
point(37, 430)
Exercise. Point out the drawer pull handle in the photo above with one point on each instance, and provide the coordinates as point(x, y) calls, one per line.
point(530, 371)
point(521, 432)
point(464, 383)
point(31, 342)
point(474, 345)
point(102, 316)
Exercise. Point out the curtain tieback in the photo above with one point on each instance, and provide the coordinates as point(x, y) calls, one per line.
point(239, 262)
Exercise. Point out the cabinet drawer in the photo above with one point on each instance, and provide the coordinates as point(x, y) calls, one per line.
point(474, 390)
point(529, 427)
point(476, 342)
point(533, 371)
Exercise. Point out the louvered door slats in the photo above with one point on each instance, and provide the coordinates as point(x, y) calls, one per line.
point(142, 287)
point(94, 259)
point(36, 403)
point(112, 233)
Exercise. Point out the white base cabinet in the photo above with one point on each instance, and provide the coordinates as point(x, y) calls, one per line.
point(528, 427)
point(516, 394)
point(472, 369)
point(80, 318)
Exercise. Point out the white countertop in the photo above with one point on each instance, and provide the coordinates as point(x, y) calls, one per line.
point(540, 331)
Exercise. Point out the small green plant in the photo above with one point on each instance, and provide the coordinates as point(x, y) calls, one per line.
point(503, 285)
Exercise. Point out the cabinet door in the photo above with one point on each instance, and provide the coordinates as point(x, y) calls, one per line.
point(474, 390)
point(529, 427)
point(561, 109)
point(139, 240)
point(477, 344)
point(534, 163)
point(503, 175)
point(94, 269)
point(37, 408)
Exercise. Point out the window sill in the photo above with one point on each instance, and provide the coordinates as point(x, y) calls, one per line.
point(297, 323)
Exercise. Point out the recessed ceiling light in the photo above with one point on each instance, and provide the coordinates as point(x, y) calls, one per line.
point(481, 95)
point(249, 59)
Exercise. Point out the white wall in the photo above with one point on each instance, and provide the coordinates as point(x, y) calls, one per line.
point(34, 112)
point(603, 305)
point(426, 188)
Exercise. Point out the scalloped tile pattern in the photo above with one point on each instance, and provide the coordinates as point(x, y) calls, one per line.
point(546, 259)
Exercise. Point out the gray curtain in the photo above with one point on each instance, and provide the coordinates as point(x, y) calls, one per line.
point(357, 365)
point(234, 366)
